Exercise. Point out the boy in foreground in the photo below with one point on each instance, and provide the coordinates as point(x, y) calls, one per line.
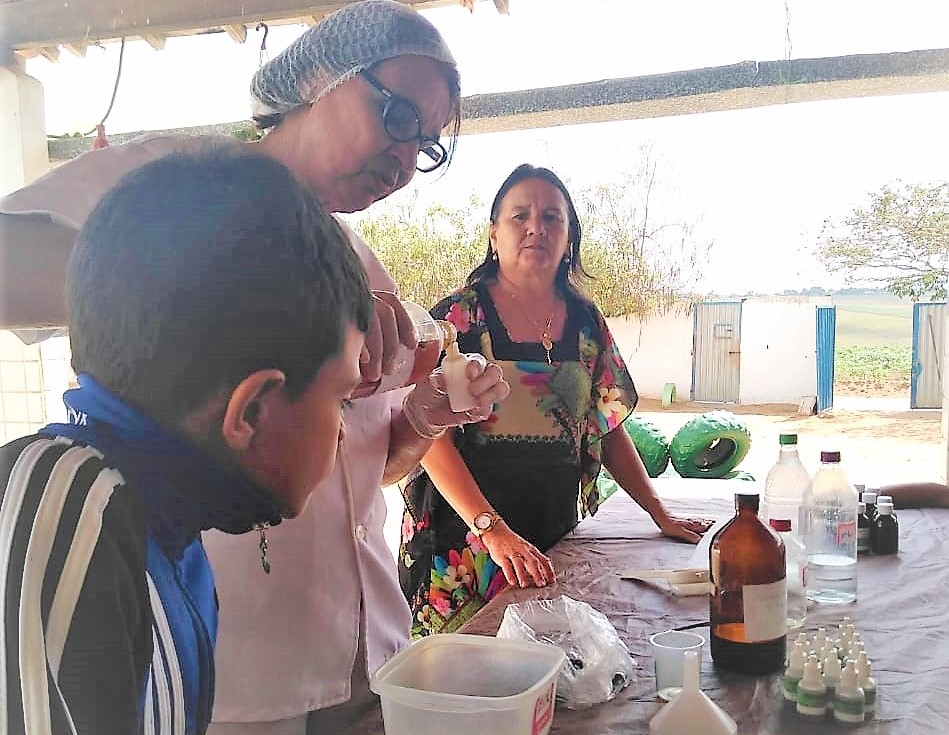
point(217, 316)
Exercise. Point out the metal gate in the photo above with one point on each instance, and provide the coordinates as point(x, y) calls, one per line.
point(929, 325)
point(826, 339)
point(716, 351)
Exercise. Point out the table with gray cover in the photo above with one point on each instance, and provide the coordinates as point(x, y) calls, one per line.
point(902, 614)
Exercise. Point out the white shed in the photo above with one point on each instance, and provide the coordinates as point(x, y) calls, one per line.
point(751, 350)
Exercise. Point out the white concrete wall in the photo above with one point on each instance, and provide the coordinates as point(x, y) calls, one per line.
point(657, 352)
point(32, 381)
point(24, 154)
point(779, 349)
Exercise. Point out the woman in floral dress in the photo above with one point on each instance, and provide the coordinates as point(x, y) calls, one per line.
point(492, 497)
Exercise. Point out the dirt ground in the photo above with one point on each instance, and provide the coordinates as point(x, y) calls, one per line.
point(877, 446)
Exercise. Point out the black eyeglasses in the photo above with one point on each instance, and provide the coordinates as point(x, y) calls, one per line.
point(402, 123)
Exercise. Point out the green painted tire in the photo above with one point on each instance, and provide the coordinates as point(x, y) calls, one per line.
point(710, 445)
point(651, 443)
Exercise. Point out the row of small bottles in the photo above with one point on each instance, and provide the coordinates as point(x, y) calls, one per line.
point(878, 529)
point(824, 676)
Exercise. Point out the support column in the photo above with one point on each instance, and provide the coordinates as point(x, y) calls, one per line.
point(944, 469)
point(24, 154)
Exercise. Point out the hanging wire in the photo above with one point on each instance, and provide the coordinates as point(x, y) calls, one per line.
point(115, 89)
point(264, 56)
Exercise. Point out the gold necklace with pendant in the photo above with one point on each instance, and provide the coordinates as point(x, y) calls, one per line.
point(546, 340)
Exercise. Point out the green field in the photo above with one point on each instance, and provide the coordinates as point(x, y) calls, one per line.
point(873, 320)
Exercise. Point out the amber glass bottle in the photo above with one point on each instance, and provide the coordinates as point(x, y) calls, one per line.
point(747, 606)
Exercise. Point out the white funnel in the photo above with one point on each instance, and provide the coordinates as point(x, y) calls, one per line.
point(691, 711)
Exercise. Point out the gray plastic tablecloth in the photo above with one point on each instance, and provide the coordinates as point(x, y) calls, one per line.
point(902, 613)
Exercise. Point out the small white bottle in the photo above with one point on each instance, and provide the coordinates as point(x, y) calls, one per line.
point(793, 673)
point(455, 370)
point(831, 677)
point(811, 692)
point(795, 555)
point(867, 683)
point(849, 702)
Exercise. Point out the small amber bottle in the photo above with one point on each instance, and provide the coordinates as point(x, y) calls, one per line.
point(747, 604)
point(885, 532)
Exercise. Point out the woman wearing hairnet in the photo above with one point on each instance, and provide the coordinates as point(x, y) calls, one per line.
point(354, 107)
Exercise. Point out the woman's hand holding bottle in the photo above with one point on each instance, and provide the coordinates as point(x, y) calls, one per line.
point(427, 407)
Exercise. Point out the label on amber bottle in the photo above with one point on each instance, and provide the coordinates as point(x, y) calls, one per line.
point(765, 611)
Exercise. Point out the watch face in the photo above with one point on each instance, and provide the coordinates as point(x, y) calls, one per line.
point(482, 521)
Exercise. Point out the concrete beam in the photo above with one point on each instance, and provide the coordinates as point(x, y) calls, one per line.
point(76, 49)
point(51, 53)
point(237, 31)
point(155, 40)
point(40, 23)
point(734, 87)
point(737, 86)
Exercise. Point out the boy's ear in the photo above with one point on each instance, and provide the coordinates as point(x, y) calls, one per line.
point(248, 405)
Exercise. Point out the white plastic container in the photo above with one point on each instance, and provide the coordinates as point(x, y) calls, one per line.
point(452, 683)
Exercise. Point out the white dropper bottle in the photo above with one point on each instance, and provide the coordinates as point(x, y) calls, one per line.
point(455, 370)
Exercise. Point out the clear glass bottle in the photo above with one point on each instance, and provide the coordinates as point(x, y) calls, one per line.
point(786, 484)
point(411, 366)
point(831, 535)
point(747, 604)
point(796, 570)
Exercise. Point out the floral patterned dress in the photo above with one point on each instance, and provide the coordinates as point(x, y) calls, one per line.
point(536, 458)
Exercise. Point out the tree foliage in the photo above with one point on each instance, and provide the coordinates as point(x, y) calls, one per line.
point(899, 240)
point(639, 263)
point(429, 255)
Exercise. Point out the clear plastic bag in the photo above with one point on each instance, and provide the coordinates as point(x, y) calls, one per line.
point(598, 664)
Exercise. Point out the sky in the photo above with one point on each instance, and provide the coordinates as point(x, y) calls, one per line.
point(758, 183)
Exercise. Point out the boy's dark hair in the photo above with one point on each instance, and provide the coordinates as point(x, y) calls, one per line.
point(197, 270)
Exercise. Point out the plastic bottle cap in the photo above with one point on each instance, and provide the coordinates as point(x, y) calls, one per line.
point(861, 507)
point(849, 679)
point(832, 457)
point(831, 665)
point(745, 499)
point(884, 509)
point(869, 497)
point(786, 439)
point(812, 676)
point(780, 524)
point(884, 499)
point(451, 351)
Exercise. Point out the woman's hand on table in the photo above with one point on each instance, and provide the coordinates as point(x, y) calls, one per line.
point(522, 563)
point(689, 530)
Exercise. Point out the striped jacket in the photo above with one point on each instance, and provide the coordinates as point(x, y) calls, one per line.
point(101, 631)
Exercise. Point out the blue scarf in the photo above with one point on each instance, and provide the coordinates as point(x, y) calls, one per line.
point(184, 489)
